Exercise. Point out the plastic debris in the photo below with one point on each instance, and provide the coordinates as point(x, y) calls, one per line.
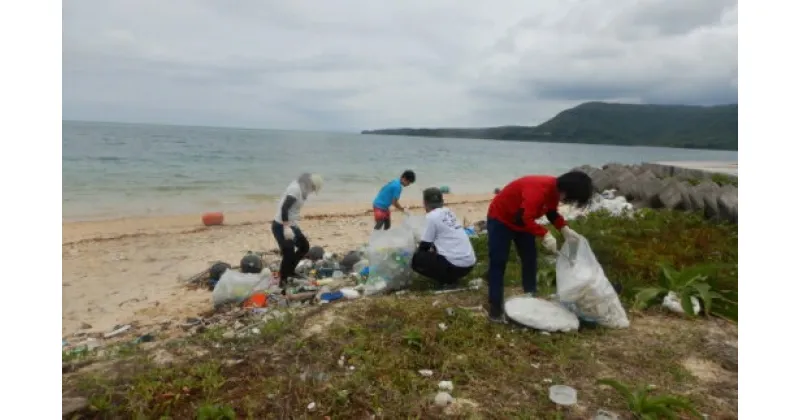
point(563, 395)
point(331, 296)
point(673, 302)
point(442, 399)
point(118, 330)
point(605, 415)
point(541, 314)
point(349, 293)
point(426, 373)
point(446, 386)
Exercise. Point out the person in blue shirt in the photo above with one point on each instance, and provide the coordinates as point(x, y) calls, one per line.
point(388, 196)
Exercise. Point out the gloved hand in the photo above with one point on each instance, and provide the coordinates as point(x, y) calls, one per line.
point(569, 235)
point(549, 243)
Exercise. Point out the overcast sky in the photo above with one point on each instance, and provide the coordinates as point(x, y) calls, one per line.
point(359, 64)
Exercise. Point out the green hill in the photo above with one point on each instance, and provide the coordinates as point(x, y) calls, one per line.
point(692, 127)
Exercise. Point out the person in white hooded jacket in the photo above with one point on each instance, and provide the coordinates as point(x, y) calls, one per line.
point(291, 240)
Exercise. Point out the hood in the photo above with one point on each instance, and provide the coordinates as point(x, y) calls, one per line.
point(305, 184)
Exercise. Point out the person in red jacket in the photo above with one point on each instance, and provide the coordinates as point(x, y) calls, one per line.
point(512, 217)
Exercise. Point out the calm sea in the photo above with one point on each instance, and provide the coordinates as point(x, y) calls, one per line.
point(117, 170)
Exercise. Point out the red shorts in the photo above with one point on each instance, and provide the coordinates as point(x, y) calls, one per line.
point(381, 214)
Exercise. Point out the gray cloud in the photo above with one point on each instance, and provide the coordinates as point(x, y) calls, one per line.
point(353, 64)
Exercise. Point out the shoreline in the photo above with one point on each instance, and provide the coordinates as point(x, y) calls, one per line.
point(76, 231)
point(134, 270)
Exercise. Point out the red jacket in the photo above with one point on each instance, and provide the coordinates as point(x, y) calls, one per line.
point(526, 199)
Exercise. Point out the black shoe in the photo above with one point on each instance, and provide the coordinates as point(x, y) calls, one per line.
point(497, 316)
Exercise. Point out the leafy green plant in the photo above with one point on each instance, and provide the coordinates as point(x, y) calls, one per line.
point(413, 339)
point(215, 412)
point(646, 406)
point(686, 283)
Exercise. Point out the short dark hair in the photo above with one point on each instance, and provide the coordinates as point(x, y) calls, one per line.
point(409, 176)
point(432, 197)
point(576, 186)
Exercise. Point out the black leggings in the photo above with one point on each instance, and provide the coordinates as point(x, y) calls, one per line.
point(291, 256)
point(384, 224)
point(436, 267)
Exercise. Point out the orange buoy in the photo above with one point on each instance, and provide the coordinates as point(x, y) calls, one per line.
point(212, 219)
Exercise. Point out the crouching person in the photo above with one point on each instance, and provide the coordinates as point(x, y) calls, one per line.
point(445, 252)
point(291, 240)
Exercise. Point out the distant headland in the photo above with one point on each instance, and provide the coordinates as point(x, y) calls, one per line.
point(684, 126)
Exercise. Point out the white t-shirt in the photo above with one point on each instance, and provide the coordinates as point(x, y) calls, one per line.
point(295, 191)
point(444, 231)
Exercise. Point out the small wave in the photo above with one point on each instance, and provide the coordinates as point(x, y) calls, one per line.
point(109, 159)
point(260, 198)
point(173, 188)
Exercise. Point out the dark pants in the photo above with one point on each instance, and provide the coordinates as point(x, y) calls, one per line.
point(436, 267)
point(292, 251)
point(500, 237)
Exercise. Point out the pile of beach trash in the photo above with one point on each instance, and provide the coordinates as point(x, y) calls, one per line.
point(382, 265)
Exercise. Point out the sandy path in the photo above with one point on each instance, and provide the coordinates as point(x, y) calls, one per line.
point(127, 270)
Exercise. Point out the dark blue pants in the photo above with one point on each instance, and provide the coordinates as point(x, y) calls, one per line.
point(291, 251)
point(500, 238)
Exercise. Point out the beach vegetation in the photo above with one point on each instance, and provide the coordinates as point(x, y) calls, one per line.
point(363, 358)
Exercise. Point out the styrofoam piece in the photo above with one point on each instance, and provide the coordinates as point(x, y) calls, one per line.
point(541, 314)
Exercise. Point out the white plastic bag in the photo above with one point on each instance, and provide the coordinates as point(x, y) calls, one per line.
point(583, 288)
point(389, 253)
point(541, 314)
point(235, 287)
point(673, 302)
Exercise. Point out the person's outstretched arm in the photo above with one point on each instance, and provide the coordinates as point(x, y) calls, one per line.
point(396, 201)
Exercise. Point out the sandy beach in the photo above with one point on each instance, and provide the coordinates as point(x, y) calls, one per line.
point(133, 270)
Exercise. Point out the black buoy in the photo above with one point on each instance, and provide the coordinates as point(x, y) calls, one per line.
point(315, 253)
point(215, 272)
point(251, 263)
point(350, 260)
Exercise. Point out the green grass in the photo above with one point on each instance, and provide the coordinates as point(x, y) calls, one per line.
point(498, 371)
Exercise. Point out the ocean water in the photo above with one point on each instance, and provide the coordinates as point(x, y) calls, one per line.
point(120, 170)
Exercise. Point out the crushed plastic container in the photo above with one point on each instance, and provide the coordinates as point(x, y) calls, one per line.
point(563, 395)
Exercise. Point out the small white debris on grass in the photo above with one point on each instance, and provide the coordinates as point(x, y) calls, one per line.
point(426, 373)
point(443, 399)
point(312, 406)
point(446, 386)
point(442, 326)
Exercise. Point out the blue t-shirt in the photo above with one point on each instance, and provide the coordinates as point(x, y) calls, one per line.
point(386, 196)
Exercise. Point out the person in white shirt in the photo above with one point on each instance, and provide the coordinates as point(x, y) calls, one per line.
point(445, 252)
point(291, 240)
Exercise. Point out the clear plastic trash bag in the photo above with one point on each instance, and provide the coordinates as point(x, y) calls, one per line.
point(235, 286)
point(389, 253)
point(583, 288)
